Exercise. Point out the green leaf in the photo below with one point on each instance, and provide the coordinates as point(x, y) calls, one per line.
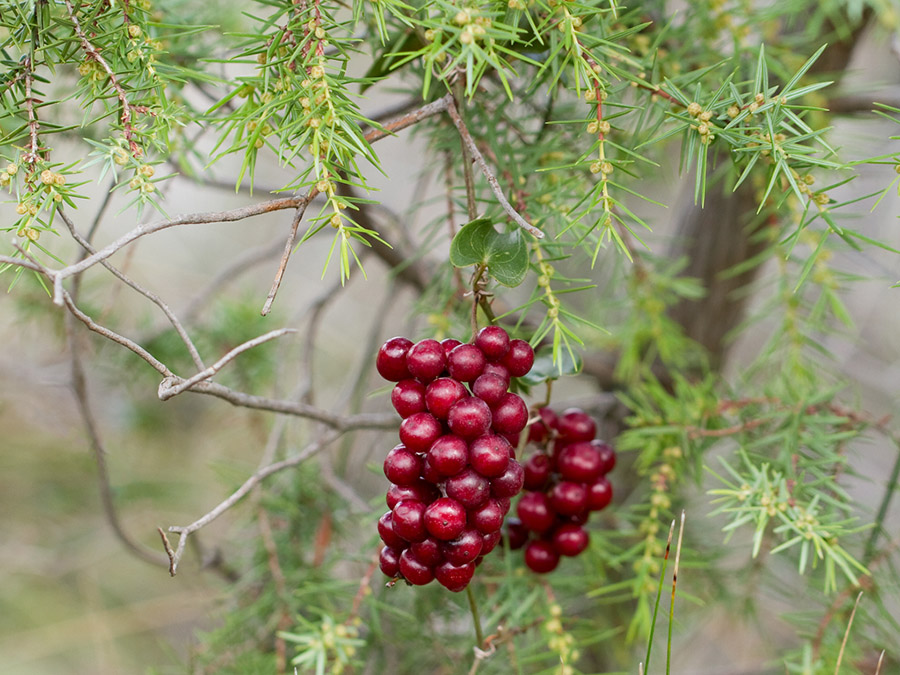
point(545, 369)
point(505, 255)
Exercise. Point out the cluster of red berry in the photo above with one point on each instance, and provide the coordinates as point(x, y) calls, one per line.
point(564, 482)
point(455, 470)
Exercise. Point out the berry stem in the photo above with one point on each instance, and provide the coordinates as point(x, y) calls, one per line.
point(476, 619)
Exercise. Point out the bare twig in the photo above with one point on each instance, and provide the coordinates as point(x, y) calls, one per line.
point(32, 155)
point(288, 247)
point(409, 119)
point(837, 665)
point(168, 388)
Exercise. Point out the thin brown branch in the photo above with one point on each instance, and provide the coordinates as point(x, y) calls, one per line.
point(409, 119)
point(32, 155)
point(288, 247)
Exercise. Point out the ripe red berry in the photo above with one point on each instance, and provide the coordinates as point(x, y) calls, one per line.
point(570, 539)
point(493, 341)
point(427, 552)
point(419, 431)
point(454, 577)
point(519, 359)
point(575, 425)
point(426, 360)
point(535, 512)
point(408, 397)
point(466, 363)
point(607, 456)
point(490, 388)
point(449, 344)
point(387, 534)
point(442, 394)
point(509, 483)
point(537, 471)
point(469, 488)
point(389, 561)
point(391, 359)
point(510, 416)
point(402, 466)
point(469, 418)
point(448, 455)
point(445, 518)
point(489, 455)
point(430, 474)
point(465, 548)
point(568, 498)
point(600, 494)
point(486, 518)
point(420, 491)
point(414, 570)
point(541, 557)
point(498, 370)
point(489, 542)
point(408, 520)
point(579, 462)
point(517, 533)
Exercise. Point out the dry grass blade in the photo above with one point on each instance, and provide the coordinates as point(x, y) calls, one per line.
point(672, 603)
point(837, 666)
point(662, 576)
point(880, 661)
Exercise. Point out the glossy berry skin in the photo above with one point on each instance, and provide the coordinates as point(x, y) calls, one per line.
point(517, 533)
point(469, 418)
point(579, 462)
point(454, 578)
point(570, 539)
point(427, 552)
point(575, 425)
point(465, 548)
point(568, 498)
point(449, 344)
point(408, 520)
point(493, 342)
point(489, 455)
point(540, 431)
point(442, 394)
point(469, 488)
point(413, 570)
point(510, 415)
point(509, 483)
point(490, 388)
point(391, 360)
point(448, 455)
point(537, 471)
point(600, 494)
point(408, 397)
point(607, 456)
point(419, 431)
point(445, 518)
point(519, 359)
point(487, 518)
point(389, 561)
point(465, 363)
point(426, 360)
point(401, 466)
point(541, 557)
point(534, 511)
point(387, 534)
point(420, 491)
point(498, 370)
point(429, 474)
point(489, 543)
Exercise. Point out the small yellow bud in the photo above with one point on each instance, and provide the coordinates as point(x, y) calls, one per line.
point(592, 127)
point(694, 109)
point(429, 34)
point(606, 168)
point(336, 220)
point(822, 198)
point(466, 37)
point(323, 186)
point(590, 95)
point(134, 183)
point(147, 171)
point(57, 197)
point(120, 157)
point(597, 68)
point(703, 129)
point(32, 233)
point(261, 58)
point(32, 209)
point(21, 209)
point(595, 167)
point(553, 312)
point(461, 18)
point(259, 143)
point(733, 111)
point(317, 72)
point(46, 176)
point(753, 107)
point(314, 122)
point(759, 98)
point(576, 21)
point(320, 32)
point(705, 116)
point(134, 30)
point(4, 178)
point(603, 127)
point(148, 187)
point(59, 179)
point(11, 169)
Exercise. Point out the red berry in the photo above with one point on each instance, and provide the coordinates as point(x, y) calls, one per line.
point(537, 471)
point(427, 552)
point(389, 561)
point(504, 503)
point(489, 455)
point(509, 483)
point(465, 548)
point(419, 431)
point(448, 455)
point(408, 397)
point(408, 520)
point(420, 491)
point(469, 418)
point(600, 494)
point(511, 415)
point(426, 360)
point(486, 518)
point(575, 425)
point(442, 394)
point(493, 341)
point(445, 518)
point(490, 388)
point(391, 359)
point(414, 570)
point(498, 370)
point(449, 344)
point(519, 359)
point(607, 456)
point(465, 363)
point(454, 577)
point(568, 498)
point(489, 542)
point(429, 473)
point(513, 440)
point(469, 488)
point(579, 462)
point(388, 536)
point(570, 539)
point(517, 533)
point(402, 466)
point(535, 512)
point(541, 557)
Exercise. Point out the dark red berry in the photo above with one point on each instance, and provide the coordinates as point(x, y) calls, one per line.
point(513, 440)
point(575, 425)
point(449, 455)
point(570, 539)
point(402, 466)
point(489, 542)
point(469, 488)
point(509, 483)
point(568, 498)
point(442, 394)
point(600, 494)
point(486, 518)
point(454, 577)
point(469, 418)
point(408, 520)
point(427, 552)
point(465, 363)
point(490, 388)
point(489, 455)
point(510, 415)
point(389, 561)
point(517, 533)
point(429, 473)
point(387, 534)
point(408, 397)
point(541, 557)
point(498, 370)
point(537, 471)
point(579, 462)
point(420, 491)
point(419, 431)
point(535, 512)
point(426, 360)
point(449, 344)
point(414, 570)
point(493, 341)
point(504, 503)
point(391, 359)
point(519, 359)
point(445, 518)
point(465, 548)
point(607, 456)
